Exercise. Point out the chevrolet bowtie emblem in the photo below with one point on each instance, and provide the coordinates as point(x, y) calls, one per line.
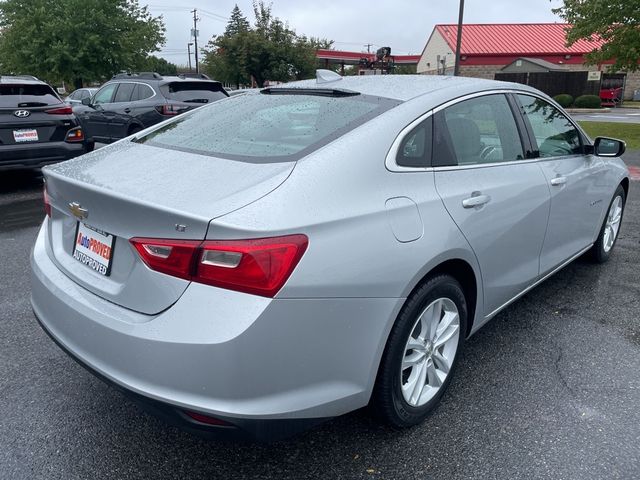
point(76, 209)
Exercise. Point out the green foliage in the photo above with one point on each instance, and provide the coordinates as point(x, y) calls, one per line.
point(564, 100)
point(588, 101)
point(76, 40)
point(159, 65)
point(405, 70)
point(270, 50)
point(629, 132)
point(617, 22)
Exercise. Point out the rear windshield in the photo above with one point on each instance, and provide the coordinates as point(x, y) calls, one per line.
point(193, 92)
point(267, 128)
point(16, 95)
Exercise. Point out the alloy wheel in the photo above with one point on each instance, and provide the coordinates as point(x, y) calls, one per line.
point(430, 351)
point(612, 225)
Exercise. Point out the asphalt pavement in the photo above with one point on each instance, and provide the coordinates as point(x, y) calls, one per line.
point(616, 115)
point(548, 389)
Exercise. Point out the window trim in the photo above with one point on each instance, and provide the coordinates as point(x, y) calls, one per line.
point(390, 159)
point(148, 87)
point(116, 91)
point(584, 139)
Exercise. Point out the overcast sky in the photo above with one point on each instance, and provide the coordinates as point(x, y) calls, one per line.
point(403, 25)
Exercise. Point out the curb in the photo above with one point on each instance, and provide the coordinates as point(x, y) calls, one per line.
point(587, 110)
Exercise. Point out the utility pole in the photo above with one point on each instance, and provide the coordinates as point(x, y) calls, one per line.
point(369, 45)
point(189, 50)
point(195, 37)
point(456, 68)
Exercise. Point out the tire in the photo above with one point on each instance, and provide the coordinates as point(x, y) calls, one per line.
point(394, 400)
point(133, 130)
point(602, 249)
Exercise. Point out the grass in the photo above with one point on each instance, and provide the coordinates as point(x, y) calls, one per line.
point(631, 104)
point(629, 132)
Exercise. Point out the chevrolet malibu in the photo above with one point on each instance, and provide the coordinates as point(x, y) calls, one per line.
point(281, 257)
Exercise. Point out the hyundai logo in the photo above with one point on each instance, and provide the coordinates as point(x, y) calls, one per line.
point(22, 113)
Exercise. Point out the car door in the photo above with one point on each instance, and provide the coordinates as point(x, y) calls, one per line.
point(494, 192)
point(576, 181)
point(96, 117)
point(122, 109)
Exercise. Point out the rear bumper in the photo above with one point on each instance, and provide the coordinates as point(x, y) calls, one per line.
point(268, 367)
point(38, 154)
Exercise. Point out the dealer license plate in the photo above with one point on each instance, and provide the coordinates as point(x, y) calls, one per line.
point(30, 135)
point(93, 248)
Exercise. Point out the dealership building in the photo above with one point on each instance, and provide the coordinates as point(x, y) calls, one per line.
point(490, 49)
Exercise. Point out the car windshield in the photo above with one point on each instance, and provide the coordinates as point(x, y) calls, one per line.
point(193, 92)
point(267, 128)
point(17, 95)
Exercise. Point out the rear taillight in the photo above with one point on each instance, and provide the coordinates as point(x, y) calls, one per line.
point(170, 110)
point(66, 110)
point(45, 199)
point(258, 266)
point(75, 135)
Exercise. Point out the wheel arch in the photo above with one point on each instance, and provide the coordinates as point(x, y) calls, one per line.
point(625, 187)
point(465, 274)
point(134, 126)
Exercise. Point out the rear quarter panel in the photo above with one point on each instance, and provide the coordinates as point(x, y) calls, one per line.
point(337, 196)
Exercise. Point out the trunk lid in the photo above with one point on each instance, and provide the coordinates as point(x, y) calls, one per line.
point(136, 190)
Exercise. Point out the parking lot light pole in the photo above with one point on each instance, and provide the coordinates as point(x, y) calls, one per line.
point(456, 68)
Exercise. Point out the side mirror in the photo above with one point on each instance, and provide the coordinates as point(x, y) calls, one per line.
point(86, 101)
point(608, 147)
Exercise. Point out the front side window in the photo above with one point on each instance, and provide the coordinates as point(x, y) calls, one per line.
point(105, 94)
point(555, 134)
point(267, 127)
point(480, 130)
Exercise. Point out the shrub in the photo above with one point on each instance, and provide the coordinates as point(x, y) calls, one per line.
point(564, 100)
point(588, 101)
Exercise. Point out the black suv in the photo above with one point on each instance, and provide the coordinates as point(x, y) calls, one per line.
point(36, 127)
point(130, 102)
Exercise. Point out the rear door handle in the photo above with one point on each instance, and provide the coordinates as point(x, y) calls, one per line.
point(127, 110)
point(475, 200)
point(557, 181)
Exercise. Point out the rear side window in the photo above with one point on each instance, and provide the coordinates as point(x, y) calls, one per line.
point(17, 95)
point(193, 92)
point(267, 128)
point(555, 134)
point(142, 92)
point(476, 131)
point(415, 149)
point(123, 94)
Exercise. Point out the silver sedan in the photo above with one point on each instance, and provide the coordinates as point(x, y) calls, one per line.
point(288, 255)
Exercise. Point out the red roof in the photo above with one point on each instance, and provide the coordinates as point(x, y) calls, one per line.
point(340, 55)
point(520, 39)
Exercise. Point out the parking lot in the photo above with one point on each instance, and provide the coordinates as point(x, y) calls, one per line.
point(548, 389)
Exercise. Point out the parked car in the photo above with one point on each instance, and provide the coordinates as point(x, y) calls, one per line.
point(36, 126)
point(131, 102)
point(293, 254)
point(76, 97)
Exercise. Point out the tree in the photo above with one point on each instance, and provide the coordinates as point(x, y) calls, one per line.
point(159, 65)
point(76, 40)
point(270, 50)
point(617, 22)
